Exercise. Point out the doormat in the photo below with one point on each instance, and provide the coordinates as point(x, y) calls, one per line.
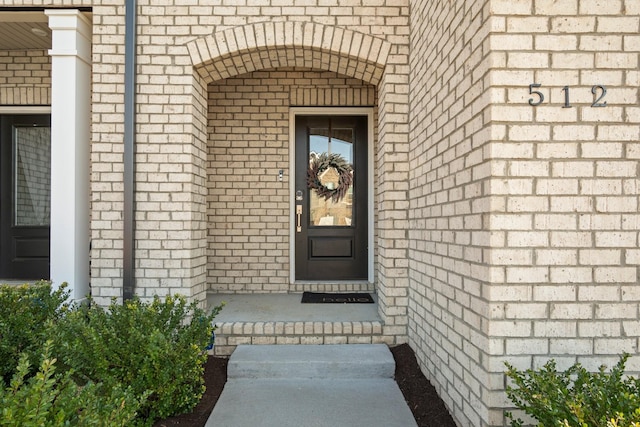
point(323, 298)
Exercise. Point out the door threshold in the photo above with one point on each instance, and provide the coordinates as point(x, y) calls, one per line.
point(332, 286)
point(328, 282)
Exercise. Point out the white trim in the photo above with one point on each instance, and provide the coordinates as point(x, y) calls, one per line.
point(25, 109)
point(71, 32)
point(330, 111)
point(70, 140)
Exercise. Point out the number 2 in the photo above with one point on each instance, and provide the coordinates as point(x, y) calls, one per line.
point(594, 91)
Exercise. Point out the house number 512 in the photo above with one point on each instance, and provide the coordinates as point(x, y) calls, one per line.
point(598, 91)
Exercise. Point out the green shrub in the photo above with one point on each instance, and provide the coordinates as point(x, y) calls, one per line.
point(53, 399)
point(24, 311)
point(576, 397)
point(156, 347)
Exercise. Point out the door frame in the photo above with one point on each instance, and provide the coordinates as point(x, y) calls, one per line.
point(331, 111)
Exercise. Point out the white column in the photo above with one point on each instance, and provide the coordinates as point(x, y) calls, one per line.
point(70, 120)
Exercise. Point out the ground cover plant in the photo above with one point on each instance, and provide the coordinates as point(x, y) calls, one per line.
point(128, 363)
point(575, 397)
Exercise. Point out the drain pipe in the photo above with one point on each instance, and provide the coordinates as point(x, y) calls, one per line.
point(128, 261)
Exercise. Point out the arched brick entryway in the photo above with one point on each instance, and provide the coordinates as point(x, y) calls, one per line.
point(310, 46)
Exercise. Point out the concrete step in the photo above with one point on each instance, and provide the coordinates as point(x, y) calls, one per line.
point(311, 386)
point(357, 361)
point(267, 319)
point(311, 403)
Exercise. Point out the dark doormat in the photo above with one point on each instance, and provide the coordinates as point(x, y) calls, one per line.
point(325, 298)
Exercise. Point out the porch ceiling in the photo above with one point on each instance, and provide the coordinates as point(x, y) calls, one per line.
point(24, 31)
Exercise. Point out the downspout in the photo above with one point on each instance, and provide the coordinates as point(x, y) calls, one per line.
point(128, 262)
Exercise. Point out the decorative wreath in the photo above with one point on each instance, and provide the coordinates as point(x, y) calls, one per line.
point(320, 164)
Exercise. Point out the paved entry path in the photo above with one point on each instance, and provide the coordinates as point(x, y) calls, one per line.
point(311, 386)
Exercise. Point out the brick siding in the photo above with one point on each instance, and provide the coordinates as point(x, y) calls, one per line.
point(526, 217)
point(25, 77)
point(248, 206)
point(504, 231)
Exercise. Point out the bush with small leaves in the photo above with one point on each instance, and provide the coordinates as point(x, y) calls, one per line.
point(157, 347)
point(24, 311)
point(575, 397)
point(53, 399)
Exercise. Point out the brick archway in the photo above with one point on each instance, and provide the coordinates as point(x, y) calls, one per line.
point(267, 45)
point(240, 50)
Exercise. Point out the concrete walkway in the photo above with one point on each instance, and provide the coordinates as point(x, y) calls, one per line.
point(311, 386)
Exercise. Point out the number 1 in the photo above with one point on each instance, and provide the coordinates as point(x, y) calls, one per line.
point(566, 97)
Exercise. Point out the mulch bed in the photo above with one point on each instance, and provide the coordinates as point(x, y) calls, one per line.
point(215, 376)
point(428, 409)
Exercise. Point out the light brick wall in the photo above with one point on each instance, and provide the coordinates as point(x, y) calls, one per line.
point(565, 184)
point(223, 41)
point(449, 173)
point(526, 217)
point(107, 148)
point(510, 231)
point(25, 77)
point(248, 207)
point(354, 38)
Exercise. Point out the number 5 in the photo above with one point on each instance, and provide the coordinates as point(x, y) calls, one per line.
point(532, 102)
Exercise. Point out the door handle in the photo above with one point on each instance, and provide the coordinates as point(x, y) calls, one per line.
point(299, 218)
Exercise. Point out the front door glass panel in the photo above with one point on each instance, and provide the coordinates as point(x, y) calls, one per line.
point(32, 175)
point(330, 177)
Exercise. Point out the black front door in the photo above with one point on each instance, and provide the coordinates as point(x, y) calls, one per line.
point(331, 198)
point(25, 196)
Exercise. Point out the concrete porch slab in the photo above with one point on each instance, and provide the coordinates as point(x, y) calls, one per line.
point(287, 307)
